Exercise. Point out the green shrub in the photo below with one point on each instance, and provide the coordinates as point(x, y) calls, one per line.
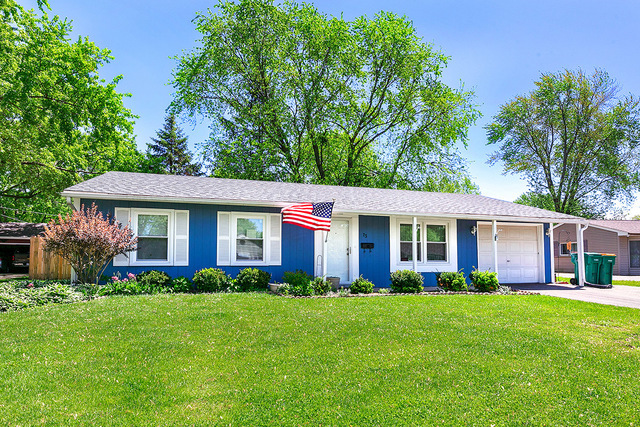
point(321, 286)
point(407, 281)
point(343, 292)
point(28, 283)
point(124, 287)
point(153, 280)
point(24, 294)
point(212, 280)
point(304, 289)
point(252, 279)
point(284, 289)
point(149, 282)
point(484, 281)
point(361, 286)
point(181, 285)
point(296, 278)
point(452, 281)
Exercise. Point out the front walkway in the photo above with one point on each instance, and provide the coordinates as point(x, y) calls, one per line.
point(623, 296)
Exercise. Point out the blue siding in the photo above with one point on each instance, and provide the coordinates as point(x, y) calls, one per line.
point(297, 242)
point(375, 264)
point(467, 247)
point(547, 255)
point(467, 252)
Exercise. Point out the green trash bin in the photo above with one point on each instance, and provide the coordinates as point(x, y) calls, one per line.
point(592, 263)
point(606, 269)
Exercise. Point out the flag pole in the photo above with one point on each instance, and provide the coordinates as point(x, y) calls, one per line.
point(324, 257)
point(325, 249)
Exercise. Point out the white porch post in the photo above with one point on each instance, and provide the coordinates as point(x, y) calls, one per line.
point(580, 244)
point(324, 255)
point(552, 254)
point(414, 244)
point(494, 242)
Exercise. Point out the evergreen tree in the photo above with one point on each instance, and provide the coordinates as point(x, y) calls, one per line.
point(170, 148)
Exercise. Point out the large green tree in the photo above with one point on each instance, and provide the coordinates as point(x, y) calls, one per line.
point(574, 139)
point(171, 150)
point(296, 95)
point(59, 122)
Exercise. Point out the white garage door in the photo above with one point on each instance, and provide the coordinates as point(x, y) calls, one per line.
point(518, 253)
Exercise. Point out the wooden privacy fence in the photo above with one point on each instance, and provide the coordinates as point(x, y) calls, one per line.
point(44, 265)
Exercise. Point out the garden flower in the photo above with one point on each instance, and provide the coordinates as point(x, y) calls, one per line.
point(30, 285)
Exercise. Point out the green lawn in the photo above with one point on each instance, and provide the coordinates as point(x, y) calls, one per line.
point(257, 359)
point(614, 282)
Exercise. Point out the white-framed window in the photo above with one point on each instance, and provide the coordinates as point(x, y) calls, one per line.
point(436, 244)
point(163, 237)
point(247, 238)
point(406, 243)
point(249, 233)
point(153, 236)
point(567, 248)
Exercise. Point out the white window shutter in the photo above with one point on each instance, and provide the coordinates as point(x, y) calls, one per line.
point(181, 238)
point(224, 238)
point(275, 240)
point(123, 216)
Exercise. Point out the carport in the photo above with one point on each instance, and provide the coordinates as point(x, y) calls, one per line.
point(15, 245)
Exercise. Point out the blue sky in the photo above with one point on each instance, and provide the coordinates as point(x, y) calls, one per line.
point(497, 48)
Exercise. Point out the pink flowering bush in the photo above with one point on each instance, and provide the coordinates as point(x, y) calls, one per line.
point(88, 241)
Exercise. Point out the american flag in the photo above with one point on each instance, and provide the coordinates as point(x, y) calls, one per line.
point(314, 216)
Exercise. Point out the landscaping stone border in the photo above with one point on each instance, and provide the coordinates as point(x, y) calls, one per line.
point(431, 293)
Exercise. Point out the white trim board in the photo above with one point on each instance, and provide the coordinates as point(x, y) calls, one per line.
point(425, 266)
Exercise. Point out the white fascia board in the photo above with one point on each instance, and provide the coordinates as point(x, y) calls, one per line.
point(261, 203)
point(613, 230)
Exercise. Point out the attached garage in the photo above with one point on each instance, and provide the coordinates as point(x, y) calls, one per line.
point(520, 252)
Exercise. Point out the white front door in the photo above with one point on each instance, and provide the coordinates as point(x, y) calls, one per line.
point(338, 250)
point(518, 253)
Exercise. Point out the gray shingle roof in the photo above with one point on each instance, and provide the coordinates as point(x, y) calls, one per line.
point(139, 186)
point(20, 229)
point(627, 225)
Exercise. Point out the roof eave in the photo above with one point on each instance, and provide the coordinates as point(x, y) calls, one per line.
point(262, 203)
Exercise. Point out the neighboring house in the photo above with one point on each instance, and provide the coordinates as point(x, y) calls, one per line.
point(15, 244)
point(186, 224)
point(619, 237)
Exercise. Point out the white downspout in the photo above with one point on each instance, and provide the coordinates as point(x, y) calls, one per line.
point(494, 242)
point(324, 255)
point(580, 244)
point(414, 244)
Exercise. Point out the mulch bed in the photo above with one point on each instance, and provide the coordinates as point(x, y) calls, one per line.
point(390, 294)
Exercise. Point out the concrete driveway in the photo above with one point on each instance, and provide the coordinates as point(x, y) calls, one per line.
point(623, 296)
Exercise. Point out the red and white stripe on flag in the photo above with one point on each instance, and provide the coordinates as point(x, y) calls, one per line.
point(314, 216)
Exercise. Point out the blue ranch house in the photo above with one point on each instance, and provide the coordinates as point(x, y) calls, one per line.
point(185, 224)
